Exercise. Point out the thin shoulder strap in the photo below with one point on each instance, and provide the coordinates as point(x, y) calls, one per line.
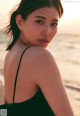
point(17, 74)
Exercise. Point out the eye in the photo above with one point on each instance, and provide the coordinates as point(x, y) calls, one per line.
point(40, 21)
point(54, 24)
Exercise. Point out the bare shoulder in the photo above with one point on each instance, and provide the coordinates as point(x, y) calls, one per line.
point(40, 62)
point(43, 71)
point(6, 57)
point(39, 54)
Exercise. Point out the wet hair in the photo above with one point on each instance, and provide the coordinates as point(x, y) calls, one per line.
point(24, 8)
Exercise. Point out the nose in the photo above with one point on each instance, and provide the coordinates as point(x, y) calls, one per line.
point(47, 30)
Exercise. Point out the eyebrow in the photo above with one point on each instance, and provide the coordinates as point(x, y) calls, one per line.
point(42, 17)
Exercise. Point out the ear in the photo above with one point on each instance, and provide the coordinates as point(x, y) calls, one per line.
point(19, 21)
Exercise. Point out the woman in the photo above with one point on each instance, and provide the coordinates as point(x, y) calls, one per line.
point(33, 84)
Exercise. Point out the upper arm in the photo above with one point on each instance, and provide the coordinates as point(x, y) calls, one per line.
point(47, 77)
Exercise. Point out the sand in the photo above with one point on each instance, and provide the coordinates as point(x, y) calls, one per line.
point(66, 51)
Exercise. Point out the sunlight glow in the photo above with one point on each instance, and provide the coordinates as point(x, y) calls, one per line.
point(70, 18)
point(70, 21)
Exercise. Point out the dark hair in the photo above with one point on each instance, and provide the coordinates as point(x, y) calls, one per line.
point(24, 9)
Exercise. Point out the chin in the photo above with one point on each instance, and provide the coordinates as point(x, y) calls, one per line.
point(43, 46)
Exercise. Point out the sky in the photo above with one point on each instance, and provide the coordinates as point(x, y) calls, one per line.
point(68, 24)
point(70, 21)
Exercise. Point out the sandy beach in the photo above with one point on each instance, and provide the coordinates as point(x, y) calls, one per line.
point(66, 51)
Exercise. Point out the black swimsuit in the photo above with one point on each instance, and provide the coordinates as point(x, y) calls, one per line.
point(35, 106)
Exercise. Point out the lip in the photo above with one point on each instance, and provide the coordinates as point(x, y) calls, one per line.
point(43, 42)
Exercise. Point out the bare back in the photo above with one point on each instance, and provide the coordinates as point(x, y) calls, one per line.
point(25, 86)
point(38, 69)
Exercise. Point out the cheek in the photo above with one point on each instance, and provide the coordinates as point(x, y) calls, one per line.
point(34, 32)
point(27, 30)
point(30, 33)
point(54, 32)
point(31, 29)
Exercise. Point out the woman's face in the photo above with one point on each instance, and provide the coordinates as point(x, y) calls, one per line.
point(40, 27)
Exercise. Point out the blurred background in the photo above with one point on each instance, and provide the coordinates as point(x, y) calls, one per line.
point(69, 23)
point(65, 48)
